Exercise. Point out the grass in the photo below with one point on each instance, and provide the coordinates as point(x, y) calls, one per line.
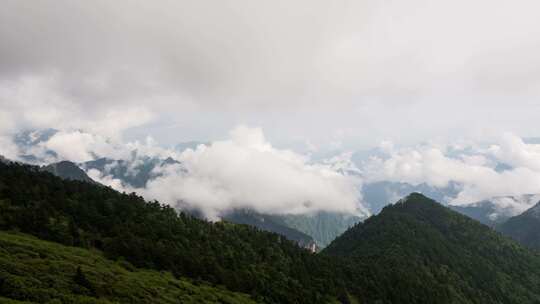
point(37, 271)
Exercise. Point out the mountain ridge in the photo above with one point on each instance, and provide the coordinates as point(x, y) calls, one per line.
point(68, 170)
point(451, 256)
point(524, 228)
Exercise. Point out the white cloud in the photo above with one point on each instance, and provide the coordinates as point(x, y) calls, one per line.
point(474, 170)
point(245, 171)
point(39, 102)
point(108, 180)
point(81, 146)
point(513, 151)
point(74, 146)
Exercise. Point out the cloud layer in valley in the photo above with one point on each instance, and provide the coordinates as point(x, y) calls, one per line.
point(245, 171)
point(508, 168)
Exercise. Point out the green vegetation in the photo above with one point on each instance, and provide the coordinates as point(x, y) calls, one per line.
point(524, 228)
point(418, 251)
point(150, 235)
point(415, 251)
point(38, 271)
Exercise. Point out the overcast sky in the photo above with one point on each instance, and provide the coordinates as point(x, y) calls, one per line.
point(305, 75)
point(351, 72)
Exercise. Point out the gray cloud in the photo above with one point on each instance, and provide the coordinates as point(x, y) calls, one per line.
point(347, 70)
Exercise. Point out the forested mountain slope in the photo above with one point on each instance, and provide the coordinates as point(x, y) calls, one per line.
point(418, 251)
point(524, 228)
point(150, 235)
point(70, 171)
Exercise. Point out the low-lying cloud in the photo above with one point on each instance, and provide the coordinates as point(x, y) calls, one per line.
point(476, 169)
point(245, 171)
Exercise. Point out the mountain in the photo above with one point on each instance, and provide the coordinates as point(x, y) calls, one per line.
point(4, 160)
point(490, 212)
point(37, 271)
point(31, 138)
point(149, 235)
point(323, 227)
point(307, 230)
point(524, 228)
point(486, 212)
point(68, 170)
point(135, 172)
point(270, 223)
point(497, 210)
point(312, 231)
point(26, 141)
point(418, 251)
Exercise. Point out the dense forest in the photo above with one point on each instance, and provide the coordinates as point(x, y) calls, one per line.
point(425, 252)
point(151, 235)
point(415, 251)
point(524, 228)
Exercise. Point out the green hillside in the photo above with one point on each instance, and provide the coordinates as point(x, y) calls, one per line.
point(150, 235)
point(418, 251)
point(32, 270)
point(524, 228)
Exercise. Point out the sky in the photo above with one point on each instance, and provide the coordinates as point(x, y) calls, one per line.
point(357, 72)
point(311, 75)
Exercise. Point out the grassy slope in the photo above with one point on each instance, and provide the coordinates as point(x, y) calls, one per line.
point(33, 270)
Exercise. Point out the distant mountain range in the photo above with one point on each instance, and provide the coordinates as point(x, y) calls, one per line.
point(270, 223)
point(309, 231)
point(134, 173)
point(492, 212)
point(317, 230)
point(27, 140)
point(379, 194)
point(321, 228)
point(497, 210)
point(525, 228)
